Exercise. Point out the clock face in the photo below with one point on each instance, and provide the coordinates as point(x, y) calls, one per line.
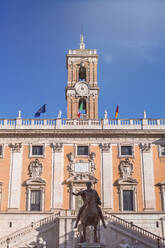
point(81, 89)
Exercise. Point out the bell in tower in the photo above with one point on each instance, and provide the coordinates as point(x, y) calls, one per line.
point(82, 88)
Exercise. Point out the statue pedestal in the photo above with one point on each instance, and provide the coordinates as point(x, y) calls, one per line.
point(90, 245)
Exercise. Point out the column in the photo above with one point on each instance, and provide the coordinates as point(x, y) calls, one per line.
point(106, 176)
point(147, 177)
point(57, 176)
point(15, 176)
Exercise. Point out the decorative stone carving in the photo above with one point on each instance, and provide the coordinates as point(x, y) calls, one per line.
point(70, 167)
point(57, 147)
point(81, 177)
point(35, 169)
point(92, 156)
point(126, 168)
point(71, 93)
point(124, 244)
point(105, 147)
point(39, 244)
point(16, 147)
point(145, 147)
point(81, 171)
point(93, 92)
point(70, 157)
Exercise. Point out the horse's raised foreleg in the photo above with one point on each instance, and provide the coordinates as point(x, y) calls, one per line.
point(95, 233)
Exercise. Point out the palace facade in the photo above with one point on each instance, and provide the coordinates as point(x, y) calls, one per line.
point(43, 160)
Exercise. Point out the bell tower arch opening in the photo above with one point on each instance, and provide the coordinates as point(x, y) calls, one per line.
point(82, 72)
point(82, 89)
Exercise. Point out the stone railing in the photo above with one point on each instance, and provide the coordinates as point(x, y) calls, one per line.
point(159, 241)
point(9, 240)
point(143, 124)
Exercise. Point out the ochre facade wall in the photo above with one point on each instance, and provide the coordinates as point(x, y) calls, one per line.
point(136, 161)
point(46, 175)
point(159, 172)
point(4, 176)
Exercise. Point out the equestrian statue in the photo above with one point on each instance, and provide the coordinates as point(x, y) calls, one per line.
point(90, 213)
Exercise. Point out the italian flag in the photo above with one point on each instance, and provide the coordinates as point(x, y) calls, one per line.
point(80, 109)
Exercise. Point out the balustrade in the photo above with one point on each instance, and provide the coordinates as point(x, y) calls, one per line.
point(82, 124)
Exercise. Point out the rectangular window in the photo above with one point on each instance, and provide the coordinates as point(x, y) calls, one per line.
point(82, 150)
point(128, 200)
point(35, 201)
point(162, 150)
point(1, 151)
point(37, 151)
point(126, 151)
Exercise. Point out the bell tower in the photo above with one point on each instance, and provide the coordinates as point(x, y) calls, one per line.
point(82, 89)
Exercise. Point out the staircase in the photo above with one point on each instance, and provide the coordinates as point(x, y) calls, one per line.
point(57, 232)
point(134, 232)
point(46, 228)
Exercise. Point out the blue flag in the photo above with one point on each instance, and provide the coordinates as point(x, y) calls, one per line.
point(41, 110)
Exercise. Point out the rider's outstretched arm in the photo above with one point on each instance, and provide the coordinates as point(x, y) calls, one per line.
point(75, 193)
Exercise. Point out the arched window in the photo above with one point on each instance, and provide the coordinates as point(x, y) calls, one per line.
point(82, 108)
point(82, 73)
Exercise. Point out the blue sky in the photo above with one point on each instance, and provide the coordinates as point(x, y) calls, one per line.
point(128, 34)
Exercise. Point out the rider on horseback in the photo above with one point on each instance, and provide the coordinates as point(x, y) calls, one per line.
point(96, 198)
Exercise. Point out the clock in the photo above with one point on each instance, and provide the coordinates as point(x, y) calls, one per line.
point(82, 89)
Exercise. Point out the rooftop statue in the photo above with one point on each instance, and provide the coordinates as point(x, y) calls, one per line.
point(90, 213)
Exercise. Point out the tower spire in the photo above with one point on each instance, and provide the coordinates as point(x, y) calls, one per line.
point(82, 44)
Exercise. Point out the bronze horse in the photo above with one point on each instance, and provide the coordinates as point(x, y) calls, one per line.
point(90, 216)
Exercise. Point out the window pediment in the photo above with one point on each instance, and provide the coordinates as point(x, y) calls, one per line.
point(38, 181)
point(127, 181)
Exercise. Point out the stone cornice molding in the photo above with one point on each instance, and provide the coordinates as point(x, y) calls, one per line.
point(57, 147)
point(145, 147)
point(155, 134)
point(105, 147)
point(16, 147)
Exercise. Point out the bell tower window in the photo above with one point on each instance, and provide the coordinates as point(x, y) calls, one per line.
point(82, 73)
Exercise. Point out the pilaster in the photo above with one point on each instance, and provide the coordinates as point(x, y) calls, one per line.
point(106, 175)
point(15, 176)
point(147, 177)
point(57, 175)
